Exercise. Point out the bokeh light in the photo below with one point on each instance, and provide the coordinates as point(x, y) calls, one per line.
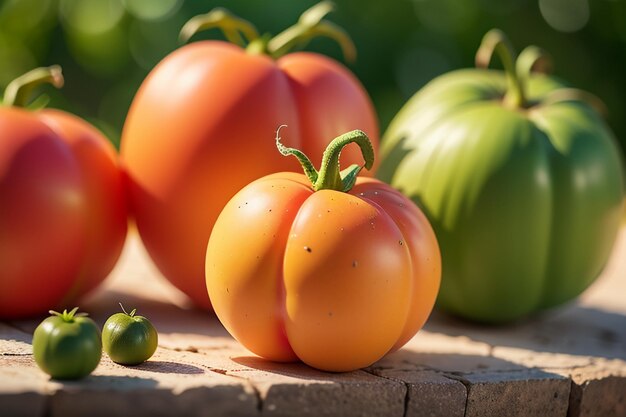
point(91, 16)
point(107, 47)
point(152, 9)
point(565, 15)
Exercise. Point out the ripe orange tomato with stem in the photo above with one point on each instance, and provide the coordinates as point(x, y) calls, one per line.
point(327, 268)
point(62, 203)
point(210, 97)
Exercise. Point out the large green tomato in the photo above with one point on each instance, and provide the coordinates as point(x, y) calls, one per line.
point(67, 345)
point(520, 178)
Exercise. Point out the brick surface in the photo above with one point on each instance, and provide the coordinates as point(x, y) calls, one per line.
point(531, 393)
point(430, 394)
point(598, 397)
point(569, 361)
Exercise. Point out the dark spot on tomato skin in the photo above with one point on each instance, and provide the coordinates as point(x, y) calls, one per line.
point(401, 243)
point(355, 264)
point(308, 249)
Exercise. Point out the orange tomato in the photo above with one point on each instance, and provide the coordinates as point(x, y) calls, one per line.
point(62, 205)
point(195, 109)
point(336, 279)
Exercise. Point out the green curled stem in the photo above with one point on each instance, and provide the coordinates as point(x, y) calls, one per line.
point(235, 29)
point(518, 72)
point(531, 59)
point(330, 177)
point(19, 91)
point(495, 41)
point(311, 24)
point(304, 160)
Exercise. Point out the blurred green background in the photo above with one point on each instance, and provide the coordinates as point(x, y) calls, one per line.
point(107, 47)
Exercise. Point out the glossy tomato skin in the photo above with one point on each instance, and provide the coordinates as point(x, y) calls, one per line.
point(129, 340)
point(62, 210)
point(67, 350)
point(334, 279)
point(198, 107)
point(104, 194)
point(43, 222)
point(526, 202)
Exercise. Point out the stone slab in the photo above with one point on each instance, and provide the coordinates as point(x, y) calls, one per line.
point(569, 361)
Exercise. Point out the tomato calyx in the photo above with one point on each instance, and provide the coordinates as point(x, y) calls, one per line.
point(131, 314)
point(518, 69)
point(496, 41)
point(19, 91)
point(330, 177)
point(66, 316)
point(311, 24)
point(236, 30)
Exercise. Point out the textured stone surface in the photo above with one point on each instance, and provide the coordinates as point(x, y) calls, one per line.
point(567, 362)
point(598, 397)
point(429, 394)
point(530, 393)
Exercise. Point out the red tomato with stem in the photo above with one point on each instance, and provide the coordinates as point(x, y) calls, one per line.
point(211, 97)
point(62, 203)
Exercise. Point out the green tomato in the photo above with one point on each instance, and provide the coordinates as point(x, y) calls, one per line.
point(520, 178)
point(129, 339)
point(67, 345)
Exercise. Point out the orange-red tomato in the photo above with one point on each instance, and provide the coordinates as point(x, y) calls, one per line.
point(62, 210)
point(202, 103)
point(335, 279)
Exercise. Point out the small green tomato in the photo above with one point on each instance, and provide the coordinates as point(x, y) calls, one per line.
point(129, 339)
point(67, 345)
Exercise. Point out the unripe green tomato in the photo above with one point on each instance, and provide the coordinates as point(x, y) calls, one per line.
point(520, 177)
point(67, 345)
point(129, 339)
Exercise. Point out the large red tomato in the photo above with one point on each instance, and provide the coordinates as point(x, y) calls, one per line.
point(205, 103)
point(62, 205)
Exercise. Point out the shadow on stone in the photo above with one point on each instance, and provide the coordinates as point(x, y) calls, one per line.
point(572, 330)
point(166, 317)
point(107, 382)
point(165, 367)
point(293, 369)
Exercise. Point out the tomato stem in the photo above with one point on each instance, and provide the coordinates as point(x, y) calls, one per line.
point(132, 313)
point(496, 41)
point(122, 307)
point(310, 25)
point(236, 29)
point(304, 160)
point(329, 176)
point(19, 91)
